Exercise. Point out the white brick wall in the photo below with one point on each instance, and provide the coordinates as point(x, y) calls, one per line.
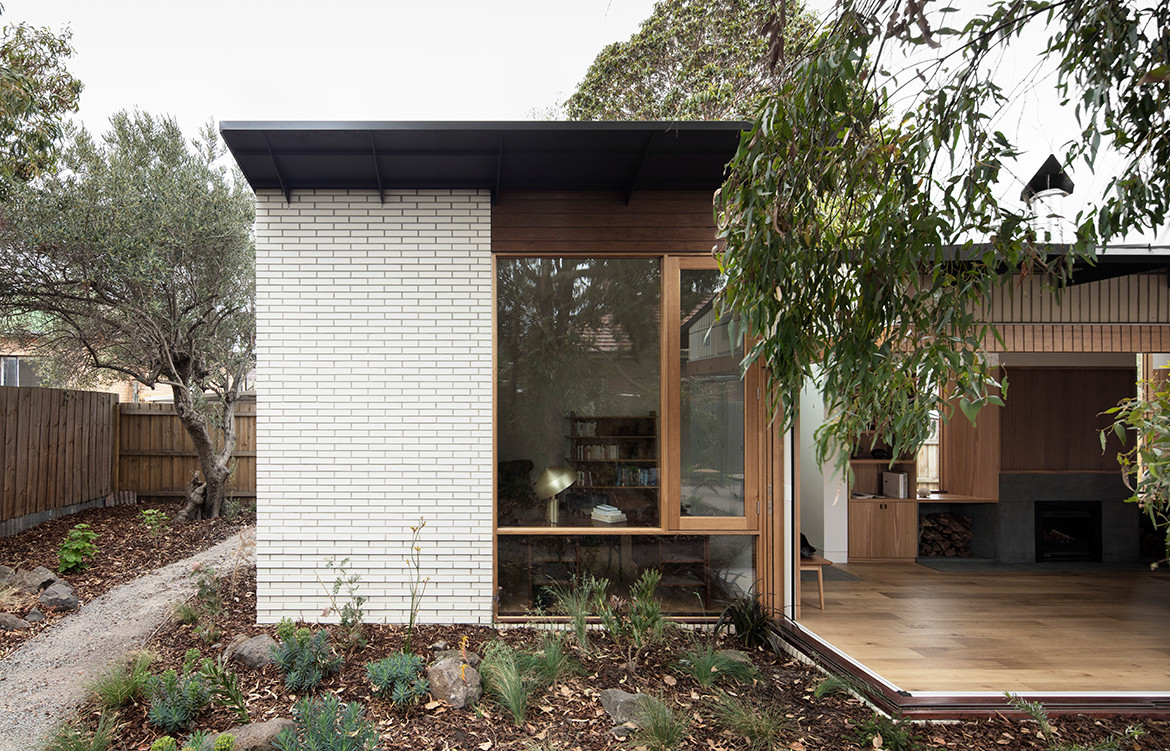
point(375, 378)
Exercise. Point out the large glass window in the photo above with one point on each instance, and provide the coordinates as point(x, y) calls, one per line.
point(711, 406)
point(620, 433)
point(578, 429)
point(701, 574)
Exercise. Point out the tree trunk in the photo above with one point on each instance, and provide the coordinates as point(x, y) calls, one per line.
point(206, 502)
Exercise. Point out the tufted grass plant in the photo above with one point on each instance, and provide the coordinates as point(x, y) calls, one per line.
point(550, 664)
point(576, 600)
point(762, 727)
point(707, 667)
point(660, 727)
point(504, 680)
point(71, 737)
point(123, 680)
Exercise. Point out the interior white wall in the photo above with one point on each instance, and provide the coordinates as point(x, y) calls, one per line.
point(824, 508)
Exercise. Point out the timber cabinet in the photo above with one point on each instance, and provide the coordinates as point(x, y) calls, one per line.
point(881, 528)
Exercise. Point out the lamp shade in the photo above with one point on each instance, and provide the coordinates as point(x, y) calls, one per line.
point(553, 480)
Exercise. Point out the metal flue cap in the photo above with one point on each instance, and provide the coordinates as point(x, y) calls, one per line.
point(553, 480)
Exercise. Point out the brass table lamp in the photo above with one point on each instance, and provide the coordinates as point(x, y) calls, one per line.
point(552, 481)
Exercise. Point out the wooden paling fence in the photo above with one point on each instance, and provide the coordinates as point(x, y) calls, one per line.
point(156, 458)
point(65, 451)
point(59, 453)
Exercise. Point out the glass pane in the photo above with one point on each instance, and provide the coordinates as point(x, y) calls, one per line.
point(8, 372)
point(700, 574)
point(578, 389)
point(711, 402)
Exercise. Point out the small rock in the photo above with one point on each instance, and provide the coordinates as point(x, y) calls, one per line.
point(438, 646)
point(622, 706)
point(472, 658)
point(31, 582)
point(454, 682)
point(34, 616)
point(9, 622)
point(735, 654)
point(59, 595)
point(7, 574)
point(252, 653)
point(258, 736)
point(622, 732)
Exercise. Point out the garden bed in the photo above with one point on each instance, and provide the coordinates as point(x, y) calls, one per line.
point(568, 715)
point(125, 550)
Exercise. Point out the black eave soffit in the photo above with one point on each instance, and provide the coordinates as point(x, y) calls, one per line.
point(380, 156)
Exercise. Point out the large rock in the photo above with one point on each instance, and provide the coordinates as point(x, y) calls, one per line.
point(622, 706)
point(258, 736)
point(472, 658)
point(34, 581)
point(7, 574)
point(59, 595)
point(252, 653)
point(9, 622)
point(455, 682)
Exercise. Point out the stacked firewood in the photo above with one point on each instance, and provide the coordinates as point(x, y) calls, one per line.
point(944, 535)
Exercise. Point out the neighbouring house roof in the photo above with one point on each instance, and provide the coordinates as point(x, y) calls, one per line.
point(495, 156)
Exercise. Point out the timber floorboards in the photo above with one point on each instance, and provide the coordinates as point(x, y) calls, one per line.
point(928, 631)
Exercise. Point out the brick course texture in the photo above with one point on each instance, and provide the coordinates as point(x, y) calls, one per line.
point(374, 341)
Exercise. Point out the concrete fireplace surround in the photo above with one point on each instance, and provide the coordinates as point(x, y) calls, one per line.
point(1005, 531)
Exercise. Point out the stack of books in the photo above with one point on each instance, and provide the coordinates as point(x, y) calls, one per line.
point(609, 514)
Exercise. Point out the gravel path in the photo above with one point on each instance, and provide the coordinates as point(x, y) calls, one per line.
point(43, 682)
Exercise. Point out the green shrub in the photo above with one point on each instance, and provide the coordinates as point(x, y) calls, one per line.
point(224, 686)
point(659, 726)
point(124, 680)
point(175, 700)
point(752, 622)
point(398, 678)
point(879, 731)
point(637, 623)
point(503, 679)
point(303, 657)
point(165, 743)
point(762, 728)
point(73, 738)
point(327, 724)
point(154, 520)
point(350, 612)
point(196, 741)
point(76, 548)
point(707, 666)
point(225, 742)
point(1039, 714)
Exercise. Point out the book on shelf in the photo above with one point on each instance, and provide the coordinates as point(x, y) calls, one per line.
point(894, 484)
point(603, 512)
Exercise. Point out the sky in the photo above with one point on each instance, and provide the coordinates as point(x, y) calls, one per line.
point(395, 60)
point(330, 59)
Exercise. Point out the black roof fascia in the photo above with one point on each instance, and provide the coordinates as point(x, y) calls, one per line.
point(495, 156)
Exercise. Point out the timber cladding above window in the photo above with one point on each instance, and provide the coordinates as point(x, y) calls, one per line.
point(653, 222)
point(1120, 314)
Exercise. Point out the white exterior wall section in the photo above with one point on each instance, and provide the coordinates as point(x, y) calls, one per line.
point(374, 341)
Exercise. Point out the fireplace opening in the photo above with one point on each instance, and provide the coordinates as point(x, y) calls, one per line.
point(1068, 531)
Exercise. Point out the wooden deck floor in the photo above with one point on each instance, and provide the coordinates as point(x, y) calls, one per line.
point(925, 630)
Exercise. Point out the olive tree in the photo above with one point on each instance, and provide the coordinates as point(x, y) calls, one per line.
point(137, 259)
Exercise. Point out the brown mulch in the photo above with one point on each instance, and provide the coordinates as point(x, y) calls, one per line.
point(566, 717)
point(125, 551)
point(570, 716)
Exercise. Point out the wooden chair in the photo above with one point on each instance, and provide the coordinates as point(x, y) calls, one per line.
point(816, 563)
